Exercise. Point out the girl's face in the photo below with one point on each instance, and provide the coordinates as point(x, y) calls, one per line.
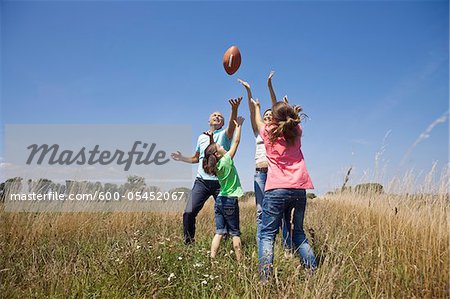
point(268, 117)
point(220, 151)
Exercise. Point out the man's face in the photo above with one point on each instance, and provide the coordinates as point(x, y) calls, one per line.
point(216, 119)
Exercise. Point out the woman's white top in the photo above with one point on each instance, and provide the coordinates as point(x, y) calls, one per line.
point(260, 154)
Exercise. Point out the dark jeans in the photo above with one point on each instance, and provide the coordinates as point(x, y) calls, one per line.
point(201, 191)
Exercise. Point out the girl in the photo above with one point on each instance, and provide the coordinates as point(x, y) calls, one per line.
point(219, 162)
point(262, 165)
point(287, 180)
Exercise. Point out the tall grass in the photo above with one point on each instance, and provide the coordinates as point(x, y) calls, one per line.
point(370, 246)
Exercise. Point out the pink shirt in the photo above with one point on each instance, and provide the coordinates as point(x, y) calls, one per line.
point(287, 168)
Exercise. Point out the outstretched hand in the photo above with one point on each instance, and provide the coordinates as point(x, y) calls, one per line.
point(176, 156)
point(239, 121)
point(273, 97)
point(256, 103)
point(235, 102)
point(246, 85)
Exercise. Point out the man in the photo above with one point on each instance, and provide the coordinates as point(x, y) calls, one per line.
point(206, 185)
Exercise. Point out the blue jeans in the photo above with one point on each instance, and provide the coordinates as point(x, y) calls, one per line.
point(259, 184)
point(278, 203)
point(226, 212)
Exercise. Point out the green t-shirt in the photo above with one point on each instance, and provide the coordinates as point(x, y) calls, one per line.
point(228, 177)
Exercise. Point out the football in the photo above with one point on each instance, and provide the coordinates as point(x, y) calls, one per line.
point(232, 60)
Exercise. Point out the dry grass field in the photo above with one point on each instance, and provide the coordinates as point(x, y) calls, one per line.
point(370, 246)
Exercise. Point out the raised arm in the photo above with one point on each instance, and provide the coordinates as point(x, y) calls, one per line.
point(273, 97)
point(250, 106)
point(177, 156)
point(237, 137)
point(258, 118)
point(234, 110)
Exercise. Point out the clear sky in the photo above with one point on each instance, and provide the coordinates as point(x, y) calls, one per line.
point(371, 75)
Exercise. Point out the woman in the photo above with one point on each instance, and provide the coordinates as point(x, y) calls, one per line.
point(287, 181)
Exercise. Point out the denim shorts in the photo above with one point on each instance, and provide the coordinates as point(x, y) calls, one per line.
point(226, 211)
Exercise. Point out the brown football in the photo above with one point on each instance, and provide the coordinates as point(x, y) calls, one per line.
point(232, 60)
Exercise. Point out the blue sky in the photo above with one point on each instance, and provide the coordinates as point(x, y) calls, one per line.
point(362, 71)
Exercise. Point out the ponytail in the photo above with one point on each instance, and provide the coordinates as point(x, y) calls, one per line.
point(287, 118)
point(210, 160)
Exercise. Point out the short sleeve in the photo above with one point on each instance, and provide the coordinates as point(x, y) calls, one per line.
point(224, 163)
point(223, 140)
point(225, 137)
point(197, 148)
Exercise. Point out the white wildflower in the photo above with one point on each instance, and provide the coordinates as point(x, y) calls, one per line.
point(171, 276)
